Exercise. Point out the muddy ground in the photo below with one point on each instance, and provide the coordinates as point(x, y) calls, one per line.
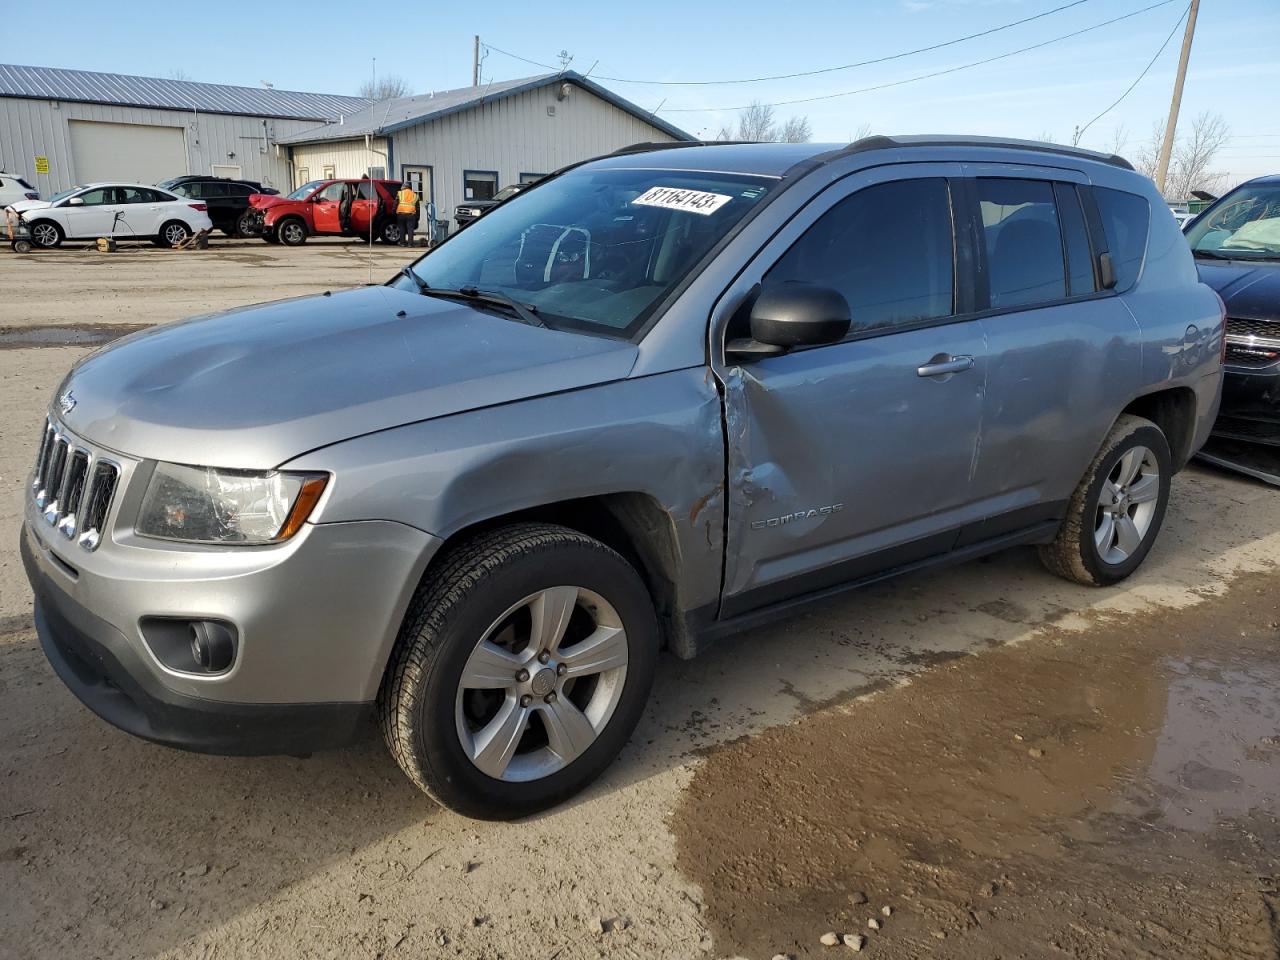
point(1025, 767)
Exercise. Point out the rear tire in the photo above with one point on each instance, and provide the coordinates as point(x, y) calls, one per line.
point(1116, 512)
point(491, 604)
point(173, 233)
point(390, 232)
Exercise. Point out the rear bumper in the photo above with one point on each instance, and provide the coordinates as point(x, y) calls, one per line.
point(105, 671)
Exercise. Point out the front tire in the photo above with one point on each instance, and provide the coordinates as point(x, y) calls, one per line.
point(46, 234)
point(522, 667)
point(1116, 511)
point(291, 232)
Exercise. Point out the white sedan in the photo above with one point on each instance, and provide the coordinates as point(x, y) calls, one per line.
point(125, 211)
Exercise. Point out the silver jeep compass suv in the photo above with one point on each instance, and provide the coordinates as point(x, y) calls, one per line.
point(657, 397)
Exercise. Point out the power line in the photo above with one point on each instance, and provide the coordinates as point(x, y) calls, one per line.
point(936, 73)
point(1080, 132)
point(821, 70)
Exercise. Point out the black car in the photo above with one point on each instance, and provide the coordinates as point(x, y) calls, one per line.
point(226, 199)
point(1236, 243)
point(473, 210)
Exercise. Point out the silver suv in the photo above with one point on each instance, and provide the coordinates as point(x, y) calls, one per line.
point(656, 398)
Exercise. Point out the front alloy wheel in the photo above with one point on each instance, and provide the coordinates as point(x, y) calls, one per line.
point(522, 667)
point(46, 234)
point(541, 684)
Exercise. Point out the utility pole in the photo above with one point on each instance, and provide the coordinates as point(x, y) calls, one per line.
point(475, 62)
point(1166, 148)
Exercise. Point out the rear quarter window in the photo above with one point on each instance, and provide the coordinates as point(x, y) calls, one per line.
point(1126, 218)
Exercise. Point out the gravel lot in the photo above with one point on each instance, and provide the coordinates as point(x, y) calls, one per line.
point(1017, 767)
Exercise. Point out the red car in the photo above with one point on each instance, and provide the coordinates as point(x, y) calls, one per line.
point(342, 208)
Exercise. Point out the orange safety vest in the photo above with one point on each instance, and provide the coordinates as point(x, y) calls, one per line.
point(406, 201)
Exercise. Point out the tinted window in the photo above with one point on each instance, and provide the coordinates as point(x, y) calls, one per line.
point(366, 190)
point(1024, 246)
point(98, 197)
point(887, 248)
point(1125, 218)
point(133, 195)
point(333, 192)
point(186, 189)
point(1075, 237)
point(238, 189)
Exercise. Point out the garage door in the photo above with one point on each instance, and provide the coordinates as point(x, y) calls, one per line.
point(132, 152)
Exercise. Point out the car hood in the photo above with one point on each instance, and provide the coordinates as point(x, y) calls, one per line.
point(22, 206)
point(1251, 290)
point(261, 201)
point(254, 387)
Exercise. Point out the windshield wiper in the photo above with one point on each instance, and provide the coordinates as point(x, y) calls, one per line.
point(407, 271)
point(525, 312)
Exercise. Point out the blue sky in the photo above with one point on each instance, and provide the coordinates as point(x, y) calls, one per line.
point(1234, 68)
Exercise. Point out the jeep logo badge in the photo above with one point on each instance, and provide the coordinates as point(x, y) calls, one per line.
point(67, 402)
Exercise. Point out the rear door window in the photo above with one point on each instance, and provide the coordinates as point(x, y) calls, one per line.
point(1125, 220)
point(888, 248)
point(1025, 262)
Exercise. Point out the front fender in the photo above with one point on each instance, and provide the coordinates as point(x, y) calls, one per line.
point(660, 436)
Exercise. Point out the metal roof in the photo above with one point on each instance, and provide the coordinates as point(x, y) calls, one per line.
point(387, 116)
point(85, 86)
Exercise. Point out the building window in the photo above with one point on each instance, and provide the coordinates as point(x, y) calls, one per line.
point(479, 184)
point(326, 172)
point(377, 173)
point(531, 177)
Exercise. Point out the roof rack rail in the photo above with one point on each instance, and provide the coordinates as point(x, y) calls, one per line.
point(671, 145)
point(887, 143)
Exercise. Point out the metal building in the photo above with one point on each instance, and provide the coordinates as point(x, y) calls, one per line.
point(59, 128)
point(466, 144)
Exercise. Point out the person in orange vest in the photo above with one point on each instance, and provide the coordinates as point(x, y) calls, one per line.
point(406, 213)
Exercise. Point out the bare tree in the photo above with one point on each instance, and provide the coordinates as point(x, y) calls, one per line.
point(177, 73)
point(1119, 140)
point(796, 130)
point(1191, 162)
point(756, 124)
point(386, 88)
point(864, 130)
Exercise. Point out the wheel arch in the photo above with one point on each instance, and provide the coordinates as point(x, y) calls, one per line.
point(632, 523)
point(1173, 410)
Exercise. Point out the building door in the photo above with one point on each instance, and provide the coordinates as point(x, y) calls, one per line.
point(128, 152)
point(419, 180)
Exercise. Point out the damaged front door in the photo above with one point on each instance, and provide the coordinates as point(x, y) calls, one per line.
point(858, 456)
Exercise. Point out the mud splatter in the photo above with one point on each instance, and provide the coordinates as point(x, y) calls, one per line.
point(1103, 794)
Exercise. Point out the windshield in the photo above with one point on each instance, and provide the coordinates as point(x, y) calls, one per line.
point(595, 249)
point(63, 194)
point(305, 190)
point(1244, 223)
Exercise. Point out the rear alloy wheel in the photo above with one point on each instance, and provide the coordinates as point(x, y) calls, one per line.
point(174, 233)
point(1116, 512)
point(391, 232)
point(523, 665)
point(292, 232)
point(47, 234)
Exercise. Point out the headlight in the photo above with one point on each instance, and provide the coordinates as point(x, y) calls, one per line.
point(227, 506)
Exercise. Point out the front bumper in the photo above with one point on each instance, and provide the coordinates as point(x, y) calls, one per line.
point(1250, 394)
point(101, 667)
point(316, 619)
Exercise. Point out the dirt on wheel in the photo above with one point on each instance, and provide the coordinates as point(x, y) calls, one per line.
point(1101, 794)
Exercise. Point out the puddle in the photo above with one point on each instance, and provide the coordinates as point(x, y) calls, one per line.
point(1218, 754)
point(1111, 793)
point(13, 338)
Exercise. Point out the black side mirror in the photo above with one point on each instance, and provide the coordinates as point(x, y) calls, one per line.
point(792, 315)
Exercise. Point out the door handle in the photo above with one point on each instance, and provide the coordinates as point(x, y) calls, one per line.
point(944, 364)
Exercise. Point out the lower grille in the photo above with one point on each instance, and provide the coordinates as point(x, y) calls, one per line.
point(73, 486)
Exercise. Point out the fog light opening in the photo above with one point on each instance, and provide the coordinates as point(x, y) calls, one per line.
point(212, 646)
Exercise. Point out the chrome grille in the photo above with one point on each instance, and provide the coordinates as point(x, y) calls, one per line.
point(1252, 343)
point(73, 486)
